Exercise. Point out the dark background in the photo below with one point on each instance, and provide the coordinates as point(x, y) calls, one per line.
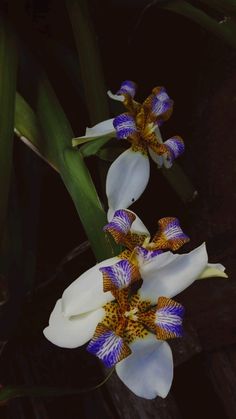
point(151, 47)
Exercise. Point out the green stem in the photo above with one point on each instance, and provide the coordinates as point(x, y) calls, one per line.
point(7, 393)
point(180, 183)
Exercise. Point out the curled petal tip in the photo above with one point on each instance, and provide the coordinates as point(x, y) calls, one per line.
point(128, 87)
point(119, 98)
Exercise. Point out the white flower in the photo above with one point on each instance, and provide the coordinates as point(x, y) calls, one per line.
point(129, 174)
point(128, 324)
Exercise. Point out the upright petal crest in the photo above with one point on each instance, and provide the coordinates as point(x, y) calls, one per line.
point(144, 255)
point(170, 235)
point(119, 276)
point(168, 319)
point(108, 346)
point(159, 105)
point(175, 146)
point(127, 87)
point(125, 126)
point(165, 320)
point(120, 225)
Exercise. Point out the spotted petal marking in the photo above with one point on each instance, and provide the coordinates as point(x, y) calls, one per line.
point(108, 346)
point(120, 224)
point(169, 318)
point(159, 105)
point(170, 235)
point(160, 93)
point(175, 146)
point(144, 255)
point(125, 126)
point(119, 276)
point(127, 87)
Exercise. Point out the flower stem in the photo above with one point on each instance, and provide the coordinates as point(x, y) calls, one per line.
point(9, 392)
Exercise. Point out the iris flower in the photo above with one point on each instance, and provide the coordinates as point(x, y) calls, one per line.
point(129, 174)
point(124, 305)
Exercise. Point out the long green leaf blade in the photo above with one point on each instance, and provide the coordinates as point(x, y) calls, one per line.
point(90, 63)
point(27, 128)
point(58, 133)
point(8, 71)
point(226, 30)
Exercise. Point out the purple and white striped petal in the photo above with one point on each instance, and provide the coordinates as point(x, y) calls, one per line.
point(160, 107)
point(170, 235)
point(120, 224)
point(160, 93)
point(127, 87)
point(143, 255)
point(175, 147)
point(169, 318)
point(108, 346)
point(124, 125)
point(119, 276)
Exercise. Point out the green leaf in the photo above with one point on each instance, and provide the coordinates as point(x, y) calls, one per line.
point(225, 6)
point(90, 63)
point(82, 140)
point(225, 30)
point(8, 71)
point(180, 183)
point(51, 140)
point(27, 128)
point(110, 153)
point(87, 203)
point(58, 133)
point(92, 148)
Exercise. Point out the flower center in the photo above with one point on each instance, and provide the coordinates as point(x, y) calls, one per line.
point(148, 130)
point(131, 314)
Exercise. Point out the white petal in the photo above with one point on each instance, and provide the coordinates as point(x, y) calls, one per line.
point(100, 129)
point(213, 270)
point(158, 135)
point(86, 292)
point(156, 158)
point(120, 98)
point(127, 178)
point(168, 274)
point(73, 332)
point(138, 227)
point(148, 371)
point(167, 163)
